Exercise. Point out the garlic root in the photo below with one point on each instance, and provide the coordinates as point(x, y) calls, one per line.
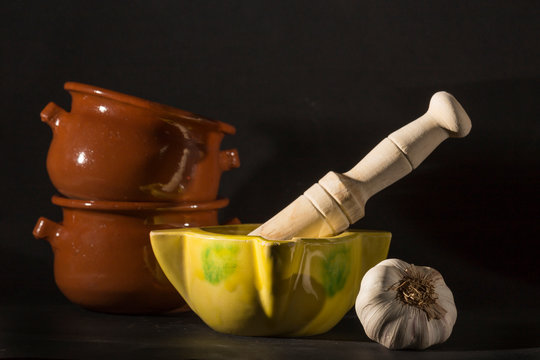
point(403, 306)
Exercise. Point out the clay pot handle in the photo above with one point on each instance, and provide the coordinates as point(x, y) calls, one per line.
point(51, 113)
point(226, 128)
point(228, 159)
point(46, 229)
point(233, 221)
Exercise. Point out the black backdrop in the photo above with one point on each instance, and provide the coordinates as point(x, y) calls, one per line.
point(311, 86)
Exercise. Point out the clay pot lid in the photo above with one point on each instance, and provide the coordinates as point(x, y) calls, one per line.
point(138, 205)
point(147, 104)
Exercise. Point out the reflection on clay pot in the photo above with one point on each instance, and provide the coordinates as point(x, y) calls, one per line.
point(113, 146)
point(103, 259)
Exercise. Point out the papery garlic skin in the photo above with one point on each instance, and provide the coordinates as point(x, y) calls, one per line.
point(395, 324)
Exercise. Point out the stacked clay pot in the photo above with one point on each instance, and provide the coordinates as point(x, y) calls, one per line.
point(124, 166)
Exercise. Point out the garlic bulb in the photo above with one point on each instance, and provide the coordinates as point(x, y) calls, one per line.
point(405, 306)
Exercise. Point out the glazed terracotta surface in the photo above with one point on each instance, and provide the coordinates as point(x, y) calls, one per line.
point(103, 259)
point(112, 146)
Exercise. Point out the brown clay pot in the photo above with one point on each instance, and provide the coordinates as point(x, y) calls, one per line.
point(103, 259)
point(113, 146)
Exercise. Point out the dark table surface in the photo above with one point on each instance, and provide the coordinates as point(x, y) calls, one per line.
point(60, 330)
point(36, 321)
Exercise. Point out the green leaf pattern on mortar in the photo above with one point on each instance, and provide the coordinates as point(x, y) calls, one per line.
point(219, 261)
point(335, 270)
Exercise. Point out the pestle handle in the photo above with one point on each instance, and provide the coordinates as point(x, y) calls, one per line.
point(398, 154)
point(444, 118)
point(338, 200)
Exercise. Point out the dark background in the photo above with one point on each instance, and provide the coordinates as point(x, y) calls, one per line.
point(311, 86)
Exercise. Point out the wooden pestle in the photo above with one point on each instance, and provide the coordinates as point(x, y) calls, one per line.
point(338, 200)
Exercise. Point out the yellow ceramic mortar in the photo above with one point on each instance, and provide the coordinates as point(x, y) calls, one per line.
point(247, 285)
